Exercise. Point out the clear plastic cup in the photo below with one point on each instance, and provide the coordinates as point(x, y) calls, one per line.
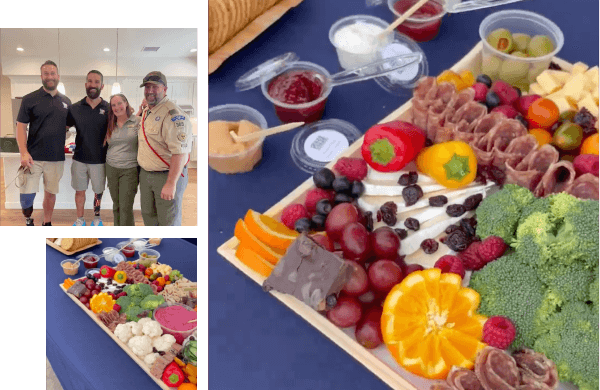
point(304, 112)
point(360, 49)
point(518, 71)
point(420, 27)
point(237, 162)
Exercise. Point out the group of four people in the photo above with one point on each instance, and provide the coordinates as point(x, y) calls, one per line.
point(112, 144)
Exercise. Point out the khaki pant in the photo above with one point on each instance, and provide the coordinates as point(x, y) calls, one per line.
point(82, 174)
point(123, 186)
point(155, 210)
point(52, 171)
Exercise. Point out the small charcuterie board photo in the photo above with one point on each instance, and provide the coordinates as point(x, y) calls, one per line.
point(146, 306)
point(70, 246)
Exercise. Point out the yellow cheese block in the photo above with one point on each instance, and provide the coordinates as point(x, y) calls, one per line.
point(589, 103)
point(547, 82)
point(563, 103)
point(579, 67)
point(559, 75)
point(575, 88)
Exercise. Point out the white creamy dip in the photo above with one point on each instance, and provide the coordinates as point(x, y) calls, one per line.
point(357, 44)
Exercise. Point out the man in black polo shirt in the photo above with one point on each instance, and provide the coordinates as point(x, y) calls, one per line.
point(90, 118)
point(43, 147)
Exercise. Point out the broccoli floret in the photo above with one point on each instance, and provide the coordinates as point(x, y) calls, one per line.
point(533, 239)
point(572, 343)
point(125, 302)
point(510, 288)
point(152, 301)
point(568, 283)
point(499, 213)
point(577, 236)
point(594, 291)
point(138, 290)
point(541, 205)
point(134, 311)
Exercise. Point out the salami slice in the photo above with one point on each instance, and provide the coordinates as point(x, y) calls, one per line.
point(516, 150)
point(584, 187)
point(444, 93)
point(496, 370)
point(536, 368)
point(463, 379)
point(419, 113)
point(505, 131)
point(426, 87)
point(458, 100)
point(539, 159)
point(532, 386)
point(484, 155)
point(559, 176)
point(488, 121)
point(435, 118)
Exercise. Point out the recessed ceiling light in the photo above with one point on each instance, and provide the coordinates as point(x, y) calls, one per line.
point(20, 49)
point(106, 49)
point(194, 50)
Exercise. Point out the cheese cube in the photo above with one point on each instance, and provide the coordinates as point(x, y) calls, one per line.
point(563, 103)
point(559, 75)
point(547, 82)
point(592, 77)
point(575, 88)
point(589, 103)
point(579, 67)
point(555, 95)
point(535, 89)
point(595, 95)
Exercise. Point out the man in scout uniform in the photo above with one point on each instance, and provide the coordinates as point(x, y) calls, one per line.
point(90, 118)
point(42, 148)
point(164, 144)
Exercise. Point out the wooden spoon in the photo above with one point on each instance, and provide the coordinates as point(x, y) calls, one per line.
point(264, 133)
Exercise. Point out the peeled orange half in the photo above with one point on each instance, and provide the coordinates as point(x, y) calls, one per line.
point(429, 323)
point(269, 231)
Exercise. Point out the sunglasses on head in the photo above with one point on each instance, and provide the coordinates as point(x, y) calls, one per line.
point(153, 78)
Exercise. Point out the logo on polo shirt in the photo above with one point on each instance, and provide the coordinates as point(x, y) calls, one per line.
point(157, 118)
point(65, 105)
point(102, 111)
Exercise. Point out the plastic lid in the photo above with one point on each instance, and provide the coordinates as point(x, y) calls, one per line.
point(400, 81)
point(267, 70)
point(92, 271)
point(317, 144)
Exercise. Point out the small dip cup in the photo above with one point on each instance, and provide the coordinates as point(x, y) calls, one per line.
point(128, 251)
point(139, 244)
point(248, 159)
point(89, 260)
point(494, 62)
point(69, 268)
point(420, 29)
point(304, 112)
point(179, 335)
point(144, 253)
point(109, 253)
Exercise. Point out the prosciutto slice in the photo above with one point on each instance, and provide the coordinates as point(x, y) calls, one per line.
point(559, 176)
point(530, 170)
point(463, 379)
point(496, 370)
point(536, 369)
point(516, 150)
point(584, 187)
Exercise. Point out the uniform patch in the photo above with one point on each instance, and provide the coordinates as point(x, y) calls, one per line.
point(178, 118)
point(65, 105)
point(180, 124)
point(181, 137)
point(102, 111)
point(173, 112)
point(157, 118)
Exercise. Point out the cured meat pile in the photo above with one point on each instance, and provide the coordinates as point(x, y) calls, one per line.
point(497, 141)
point(497, 370)
point(111, 319)
point(135, 275)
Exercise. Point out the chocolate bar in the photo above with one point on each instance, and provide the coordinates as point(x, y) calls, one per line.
point(309, 272)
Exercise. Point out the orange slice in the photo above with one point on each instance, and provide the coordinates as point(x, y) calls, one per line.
point(254, 260)
point(429, 323)
point(102, 302)
point(269, 231)
point(272, 255)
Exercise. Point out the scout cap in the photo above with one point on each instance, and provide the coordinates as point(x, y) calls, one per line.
point(155, 77)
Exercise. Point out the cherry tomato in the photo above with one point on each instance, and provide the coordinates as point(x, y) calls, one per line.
point(541, 135)
point(568, 136)
point(542, 113)
point(590, 145)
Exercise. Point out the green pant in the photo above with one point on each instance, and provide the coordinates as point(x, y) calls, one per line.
point(123, 185)
point(155, 210)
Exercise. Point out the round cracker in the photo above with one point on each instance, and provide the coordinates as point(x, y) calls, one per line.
point(223, 23)
point(66, 243)
point(212, 26)
point(231, 16)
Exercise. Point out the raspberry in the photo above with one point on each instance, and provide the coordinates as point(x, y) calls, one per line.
point(507, 110)
point(499, 332)
point(505, 91)
point(353, 168)
point(121, 294)
point(314, 195)
point(491, 248)
point(292, 213)
point(480, 91)
point(470, 257)
point(116, 307)
point(449, 263)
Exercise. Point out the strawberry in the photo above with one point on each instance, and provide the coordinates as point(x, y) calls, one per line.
point(492, 248)
point(351, 167)
point(470, 257)
point(292, 213)
point(313, 196)
point(499, 332)
point(450, 264)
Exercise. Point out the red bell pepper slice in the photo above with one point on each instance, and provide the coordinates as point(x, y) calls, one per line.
point(173, 376)
point(388, 147)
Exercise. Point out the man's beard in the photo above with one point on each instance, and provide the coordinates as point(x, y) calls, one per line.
point(50, 88)
point(92, 95)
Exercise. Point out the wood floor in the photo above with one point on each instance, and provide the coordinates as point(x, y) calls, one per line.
point(67, 217)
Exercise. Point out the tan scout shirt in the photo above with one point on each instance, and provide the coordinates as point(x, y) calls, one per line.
point(168, 130)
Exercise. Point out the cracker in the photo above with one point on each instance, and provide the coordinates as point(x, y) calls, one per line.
point(212, 27)
point(235, 24)
point(67, 243)
point(223, 23)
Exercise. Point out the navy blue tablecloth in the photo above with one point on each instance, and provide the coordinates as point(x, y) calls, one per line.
point(82, 355)
point(254, 341)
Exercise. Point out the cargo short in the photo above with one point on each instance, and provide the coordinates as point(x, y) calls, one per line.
point(82, 174)
point(52, 172)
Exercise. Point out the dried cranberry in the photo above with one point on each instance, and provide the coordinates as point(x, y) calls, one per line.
point(586, 120)
point(472, 202)
point(458, 240)
point(455, 210)
point(554, 66)
point(412, 194)
point(409, 178)
point(388, 213)
point(467, 228)
point(481, 177)
point(368, 219)
point(428, 142)
point(412, 224)
point(429, 246)
point(402, 233)
point(451, 228)
point(438, 201)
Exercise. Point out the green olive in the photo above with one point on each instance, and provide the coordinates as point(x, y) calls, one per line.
point(568, 136)
point(567, 115)
point(521, 41)
point(501, 40)
point(540, 45)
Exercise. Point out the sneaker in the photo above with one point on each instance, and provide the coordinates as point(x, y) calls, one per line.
point(79, 222)
point(47, 224)
point(97, 222)
point(29, 222)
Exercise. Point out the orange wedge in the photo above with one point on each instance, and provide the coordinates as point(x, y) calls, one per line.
point(269, 231)
point(272, 255)
point(429, 323)
point(254, 260)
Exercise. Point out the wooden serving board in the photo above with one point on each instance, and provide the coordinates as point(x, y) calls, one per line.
point(68, 253)
point(379, 360)
point(121, 344)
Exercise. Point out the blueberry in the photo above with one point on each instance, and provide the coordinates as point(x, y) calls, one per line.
point(358, 188)
point(324, 178)
point(318, 221)
point(485, 79)
point(331, 301)
point(492, 100)
point(341, 184)
point(302, 225)
point(342, 198)
point(523, 121)
point(323, 207)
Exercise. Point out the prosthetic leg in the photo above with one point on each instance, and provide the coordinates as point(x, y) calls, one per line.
point(97, 200)
point(27, 207)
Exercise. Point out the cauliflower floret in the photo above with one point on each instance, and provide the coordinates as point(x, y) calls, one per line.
point(136, 328)
point(123, 332)
point(164, 342)
point(140, 345)
point(152, 329)
point(144, 320)
point(150, 358)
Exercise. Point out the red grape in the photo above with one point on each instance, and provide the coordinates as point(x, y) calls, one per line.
point(368, 298)
point(324, 241)
point(337, 219)
point(368, 330)
point(87, 293)
point(346, 313)
point(358, 283)
point(412, 268)
point(87, 305)
point(83, 299)
point(355, 242)
point(385, 243)
point(384, 274)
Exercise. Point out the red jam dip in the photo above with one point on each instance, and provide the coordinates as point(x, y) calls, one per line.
point(425, 23)
point(174, 320)
point(128, 251)
point(298, 87)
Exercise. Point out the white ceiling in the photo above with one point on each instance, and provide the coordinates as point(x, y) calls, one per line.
point(83, 49)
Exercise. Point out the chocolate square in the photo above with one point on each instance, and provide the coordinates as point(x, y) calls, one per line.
point(309, 272)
